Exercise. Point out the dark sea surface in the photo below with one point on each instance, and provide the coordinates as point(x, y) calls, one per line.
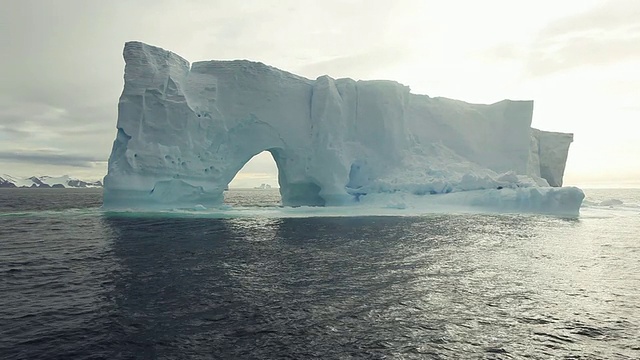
point(79, 283)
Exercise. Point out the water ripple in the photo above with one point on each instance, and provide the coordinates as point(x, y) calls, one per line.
point(86, 285)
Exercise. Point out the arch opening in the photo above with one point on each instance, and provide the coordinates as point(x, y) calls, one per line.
point(255, 184)
point(259, 173)
point(272, 177)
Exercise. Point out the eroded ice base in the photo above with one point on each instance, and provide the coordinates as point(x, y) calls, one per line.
point(563, 202)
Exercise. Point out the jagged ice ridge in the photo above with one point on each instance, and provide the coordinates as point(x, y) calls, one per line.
point(184, 131)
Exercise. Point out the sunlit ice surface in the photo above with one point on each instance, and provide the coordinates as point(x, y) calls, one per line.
point(186, 130)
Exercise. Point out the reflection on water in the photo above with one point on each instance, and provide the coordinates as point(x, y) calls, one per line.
point(440, 286)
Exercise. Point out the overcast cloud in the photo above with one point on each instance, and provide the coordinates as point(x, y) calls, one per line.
point(50, 157)
point(61, 68)
point(607, 33)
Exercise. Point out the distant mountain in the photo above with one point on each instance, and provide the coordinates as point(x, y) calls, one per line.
point(65, 181)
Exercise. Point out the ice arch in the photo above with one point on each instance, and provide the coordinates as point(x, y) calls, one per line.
point(293, 193)
point(185, 130)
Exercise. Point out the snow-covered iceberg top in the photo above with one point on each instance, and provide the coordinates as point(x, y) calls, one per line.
point(184, 131)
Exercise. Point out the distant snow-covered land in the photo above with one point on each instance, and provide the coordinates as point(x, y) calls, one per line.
point(65, 181)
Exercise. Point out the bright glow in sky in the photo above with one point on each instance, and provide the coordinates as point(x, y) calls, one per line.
point(261, 169)
point(579, 60)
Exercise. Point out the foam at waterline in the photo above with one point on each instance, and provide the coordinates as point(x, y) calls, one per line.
point(505, 201)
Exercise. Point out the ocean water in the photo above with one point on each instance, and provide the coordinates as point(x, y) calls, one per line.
point(79, 283)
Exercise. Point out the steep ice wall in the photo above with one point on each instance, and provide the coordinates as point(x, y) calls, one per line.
point(553, 150)
point(185, 131)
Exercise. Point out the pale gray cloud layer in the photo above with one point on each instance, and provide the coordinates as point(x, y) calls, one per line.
point(61, 65)
point(605, 34)
point(50, 158)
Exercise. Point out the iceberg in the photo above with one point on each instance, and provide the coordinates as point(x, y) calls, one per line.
point(185, 130)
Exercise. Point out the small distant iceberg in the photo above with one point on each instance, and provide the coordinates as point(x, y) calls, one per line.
point(611, 202)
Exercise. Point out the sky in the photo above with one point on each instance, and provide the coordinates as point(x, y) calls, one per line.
point(61, 69)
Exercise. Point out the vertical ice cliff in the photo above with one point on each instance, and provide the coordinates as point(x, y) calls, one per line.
point(552, 150)
point(183, 132)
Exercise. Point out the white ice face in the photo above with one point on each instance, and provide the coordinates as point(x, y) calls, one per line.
point(185, 131)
